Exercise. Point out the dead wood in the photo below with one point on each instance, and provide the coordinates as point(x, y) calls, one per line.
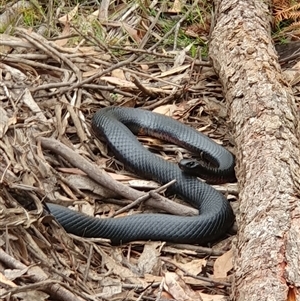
point(50, 86)
point(263, 113)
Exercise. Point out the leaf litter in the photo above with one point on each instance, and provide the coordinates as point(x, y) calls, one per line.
point(50, 87)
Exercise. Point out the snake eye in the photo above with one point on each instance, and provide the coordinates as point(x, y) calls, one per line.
point(188, 164)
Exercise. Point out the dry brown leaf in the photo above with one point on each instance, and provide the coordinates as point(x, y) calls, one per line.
point(69, 16)
point(180, 57)
point(5, 122)
point(144, 67)
point(194, 266)
point(94, 15)
point(152, 278)
point(66, 32)
point(119, 82)
point(149, 261)
point(71, 170)
point(6, 279)
point(117, 269)
point(134, 34)
point(110, 287)
point(15, 73)
point(91, 72)
point(174, 70)
point(223, 265)
point(33, 106)
point(90, 50)
point(32, 295)
point(175, 286)
point(177, 7)
point(118, 73)
point(88, 209)
point(166, 109)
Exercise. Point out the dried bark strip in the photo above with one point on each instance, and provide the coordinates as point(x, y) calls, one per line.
point(263, 113)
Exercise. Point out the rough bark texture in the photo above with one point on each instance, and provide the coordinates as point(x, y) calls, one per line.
point(263, 115)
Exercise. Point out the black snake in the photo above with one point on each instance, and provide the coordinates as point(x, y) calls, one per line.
point(117, 126)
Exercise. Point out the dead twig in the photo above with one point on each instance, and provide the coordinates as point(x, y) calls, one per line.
point(151, 194)
point(211, 281)
point(143, 89)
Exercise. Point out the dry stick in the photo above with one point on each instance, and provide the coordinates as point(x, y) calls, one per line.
point(35, 39)
point(28, 287)
point(33, 63)
point(158, 103)
point(198, 249)
point(67, 182)
point(141, 74)
point(99, 74)
point(77, 123)
point(105, 180)
point(15, 43)
point(145, 51)
point(49, 86)
point(142, 88)
point(154, 194)
point(38, 275)
point(211, 281)
point(149, 31)
point(88, 264)
point(49, 48)
point(111, 89)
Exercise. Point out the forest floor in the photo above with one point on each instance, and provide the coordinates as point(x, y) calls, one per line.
point(53, 78)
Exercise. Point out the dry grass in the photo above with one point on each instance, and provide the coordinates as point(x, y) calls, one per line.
point(286, 20)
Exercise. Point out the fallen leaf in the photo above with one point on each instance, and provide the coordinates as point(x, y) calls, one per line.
point(132, 32)
point(194, 266)
point(144, 67)
point(176, 8)
point(88, 209)
point(174, 70)
point(149, 261)
point(119, 73)
point(110, 287)
point(66, 32)
point(32, 295)
point(6, 279)
point(166, 109)
point(119, 82)
point(69, 16)
point(117, 269)
point(223, 265)
point(175, 286)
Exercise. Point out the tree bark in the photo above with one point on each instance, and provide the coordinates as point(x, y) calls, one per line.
point(263, 113)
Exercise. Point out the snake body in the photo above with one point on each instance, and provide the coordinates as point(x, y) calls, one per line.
point(118, 127)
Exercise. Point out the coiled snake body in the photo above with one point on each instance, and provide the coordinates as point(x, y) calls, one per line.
point(118, 125)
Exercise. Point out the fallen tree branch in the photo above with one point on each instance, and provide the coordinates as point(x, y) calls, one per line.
point(264, 115)
point(107, 181)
